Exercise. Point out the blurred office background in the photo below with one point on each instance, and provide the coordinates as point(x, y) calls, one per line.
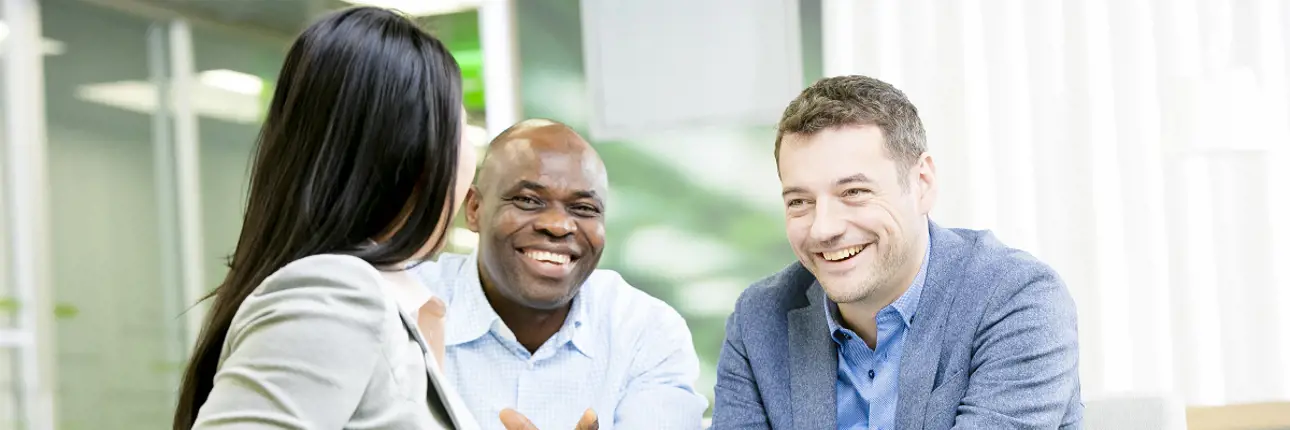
point(1135, 145)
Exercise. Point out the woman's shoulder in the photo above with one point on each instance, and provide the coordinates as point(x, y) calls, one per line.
point(324, 273)
point(334, 285)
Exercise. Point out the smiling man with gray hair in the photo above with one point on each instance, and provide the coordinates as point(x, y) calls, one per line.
point(888, 320)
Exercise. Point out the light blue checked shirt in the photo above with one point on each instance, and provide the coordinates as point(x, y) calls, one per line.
point(867, 386)
point(621, 352)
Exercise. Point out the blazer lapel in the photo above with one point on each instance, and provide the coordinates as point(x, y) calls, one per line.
point(922, 349)
point(457, 411)
point(813, 364)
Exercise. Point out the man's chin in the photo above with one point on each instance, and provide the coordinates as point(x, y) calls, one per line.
point(545, 304)
point(555, 298)
point(842, 293)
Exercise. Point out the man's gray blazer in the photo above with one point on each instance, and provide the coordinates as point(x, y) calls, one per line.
point(993, 345)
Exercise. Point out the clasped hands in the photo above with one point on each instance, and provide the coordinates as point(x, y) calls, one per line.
point(513, 420)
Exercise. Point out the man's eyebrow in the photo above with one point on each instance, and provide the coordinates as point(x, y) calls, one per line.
point(856, 178)
point(586, 194)
point(792, 190)
point(525, 184)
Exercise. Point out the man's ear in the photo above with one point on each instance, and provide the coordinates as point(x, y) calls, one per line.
point(472, 209)
point(926, 183)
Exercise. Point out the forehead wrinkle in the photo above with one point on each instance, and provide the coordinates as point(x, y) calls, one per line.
point(523, 151)
point(578, 172)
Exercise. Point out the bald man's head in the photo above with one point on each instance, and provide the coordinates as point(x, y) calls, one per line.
point(515, 143)
point(538, 205)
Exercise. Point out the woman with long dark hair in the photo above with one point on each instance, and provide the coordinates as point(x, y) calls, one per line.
point(359, 170)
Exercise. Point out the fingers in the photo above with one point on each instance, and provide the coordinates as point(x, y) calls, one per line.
point(515, 421)
point(430, 321)
point(588, 421)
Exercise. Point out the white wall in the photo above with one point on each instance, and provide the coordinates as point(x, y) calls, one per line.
point(680, 65)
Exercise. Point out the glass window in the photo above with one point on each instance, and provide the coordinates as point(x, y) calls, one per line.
point(115, 344)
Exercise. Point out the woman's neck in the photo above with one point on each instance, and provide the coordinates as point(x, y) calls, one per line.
point(406, 289)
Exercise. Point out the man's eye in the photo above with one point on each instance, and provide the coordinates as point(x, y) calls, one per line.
point(794, 203)
point(586, 210)
point(524, 202)
point(853, 192)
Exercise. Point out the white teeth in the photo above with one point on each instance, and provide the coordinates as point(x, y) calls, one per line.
point(549, 257)
point(841, 254)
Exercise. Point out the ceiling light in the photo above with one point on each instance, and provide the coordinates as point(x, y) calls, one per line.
point(421, 7)
point(47, 46)
point(232, 80)
point(207, 101)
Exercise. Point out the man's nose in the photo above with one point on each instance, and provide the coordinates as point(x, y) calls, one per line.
point(827, 224)
point(555, 223)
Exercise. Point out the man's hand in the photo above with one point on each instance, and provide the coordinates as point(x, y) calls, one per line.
point(515, 421)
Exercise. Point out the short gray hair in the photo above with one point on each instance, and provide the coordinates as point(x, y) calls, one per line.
point(854, 100)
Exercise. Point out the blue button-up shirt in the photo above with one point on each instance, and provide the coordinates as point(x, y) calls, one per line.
point(621, 352)
point(867, 386)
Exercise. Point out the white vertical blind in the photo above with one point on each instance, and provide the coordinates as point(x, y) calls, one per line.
point(1138, 146)
point(26, 186)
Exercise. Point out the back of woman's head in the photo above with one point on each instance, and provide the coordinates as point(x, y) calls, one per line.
point(358, 155)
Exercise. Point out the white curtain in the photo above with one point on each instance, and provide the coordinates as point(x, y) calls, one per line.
point(1138, 146)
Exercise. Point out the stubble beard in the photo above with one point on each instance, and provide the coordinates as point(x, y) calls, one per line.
point(871, 283)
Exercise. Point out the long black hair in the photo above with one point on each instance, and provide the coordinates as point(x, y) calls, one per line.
point(360, 142)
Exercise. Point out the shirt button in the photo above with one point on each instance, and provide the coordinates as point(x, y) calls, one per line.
point(531, 367)
point(846, 336)
point(871, 374)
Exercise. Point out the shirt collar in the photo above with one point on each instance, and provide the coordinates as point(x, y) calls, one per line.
point(906, 305)
point(470, 316)
point(575, 328)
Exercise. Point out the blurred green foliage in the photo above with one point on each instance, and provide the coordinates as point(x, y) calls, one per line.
point(66, 311)
point(8, 305)
point(460, 33)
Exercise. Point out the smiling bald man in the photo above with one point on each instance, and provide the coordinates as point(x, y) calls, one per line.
point(532, 324)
